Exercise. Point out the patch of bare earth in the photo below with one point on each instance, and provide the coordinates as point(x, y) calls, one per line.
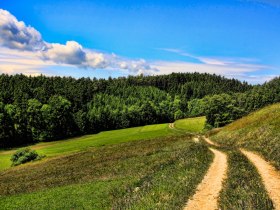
point(171, 125)
point(196, 140)
point(270, 176)
point(206, 196)
point(211, 142)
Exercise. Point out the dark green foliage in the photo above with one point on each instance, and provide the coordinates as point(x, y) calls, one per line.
point(221, 110)
point(224, 108)
point(43, 108)
point(196, 107)
point(24, 155)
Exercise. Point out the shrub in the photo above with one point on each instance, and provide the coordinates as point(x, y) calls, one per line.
point(24, 155)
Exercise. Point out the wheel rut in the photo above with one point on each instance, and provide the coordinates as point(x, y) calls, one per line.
point(206, 196)
point(270, 176)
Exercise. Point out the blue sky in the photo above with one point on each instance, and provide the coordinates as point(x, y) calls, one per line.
point(234, 38)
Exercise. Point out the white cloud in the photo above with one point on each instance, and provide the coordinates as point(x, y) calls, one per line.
point(16, 35)
point(256, 79)
point(238, 71)
point(70, 53)
point(16, 62)
point(22, 50)
point(97, 60)
point(239, 68)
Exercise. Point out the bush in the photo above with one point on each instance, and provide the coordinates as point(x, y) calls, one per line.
point(24, 155)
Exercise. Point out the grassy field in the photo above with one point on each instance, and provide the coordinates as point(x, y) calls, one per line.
point(52, 149)
point(259, 131)
point(191, 124)
point(244, 188)
point(160, 173)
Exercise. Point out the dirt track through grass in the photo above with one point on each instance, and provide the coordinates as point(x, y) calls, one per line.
point(208, 190)
point(211, 142)
point(270, 176)
point(264, 179)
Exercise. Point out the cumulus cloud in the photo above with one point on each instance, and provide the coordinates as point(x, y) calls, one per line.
point(98, 60)
point(26, 52)
point(70, 53)
point(17, 35)
point(137, 67)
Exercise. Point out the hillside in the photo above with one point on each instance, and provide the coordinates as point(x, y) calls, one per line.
point(170, 166)
point(63, 147)
point(259, 131)
point(112, 171)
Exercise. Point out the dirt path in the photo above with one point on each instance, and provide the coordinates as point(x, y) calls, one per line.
point(171, 125)
point(270, 176)
point(211, 142)
point(206, 196)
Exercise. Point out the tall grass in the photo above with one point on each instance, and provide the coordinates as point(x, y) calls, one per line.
point(152, 174)
point(56, 148)
point(259, 131)
point(243, 188)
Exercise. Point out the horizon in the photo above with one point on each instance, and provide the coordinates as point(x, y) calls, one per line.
point(236, 38)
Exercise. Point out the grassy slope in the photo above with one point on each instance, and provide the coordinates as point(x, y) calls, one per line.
point(244, 188)
point(56, 148)
point(259, 131)
point(191, 124)
point(151, 174)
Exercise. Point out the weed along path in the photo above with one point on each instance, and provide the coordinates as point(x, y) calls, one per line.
point(206, 196)
point(270, 176)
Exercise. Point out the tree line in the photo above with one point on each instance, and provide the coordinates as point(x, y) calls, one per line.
point(44, 108)
point(222, 109)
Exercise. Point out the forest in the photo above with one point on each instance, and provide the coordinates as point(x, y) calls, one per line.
point(34, 109)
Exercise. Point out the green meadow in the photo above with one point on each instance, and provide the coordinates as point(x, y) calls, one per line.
point(191, 124)
point(259, 131)
point(110, 170)
point(63, 147)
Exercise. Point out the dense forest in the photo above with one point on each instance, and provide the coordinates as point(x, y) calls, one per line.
point(44, 108)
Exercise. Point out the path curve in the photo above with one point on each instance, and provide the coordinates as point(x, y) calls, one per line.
point(270, 176)
point(206, 196)
point(210, 142)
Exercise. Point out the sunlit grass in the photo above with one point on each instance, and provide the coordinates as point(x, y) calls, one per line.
point(259, 131)
point(243, 188)
point(191, 124)
point(150, 174)
point(51, 149)
point(55, 148)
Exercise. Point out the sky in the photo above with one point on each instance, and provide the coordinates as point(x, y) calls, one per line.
point(89, 38)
